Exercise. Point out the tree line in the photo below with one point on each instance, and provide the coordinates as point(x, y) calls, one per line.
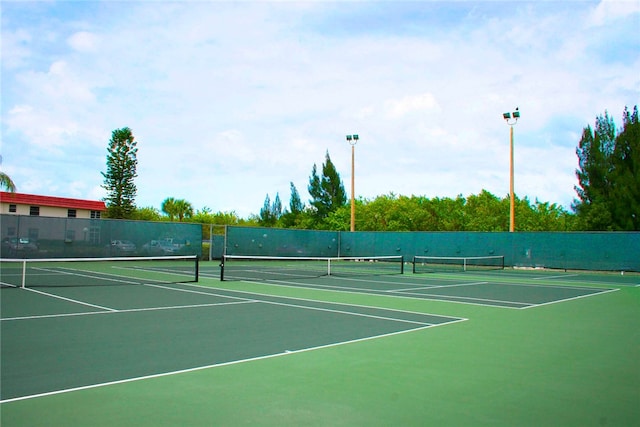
point(608, 195)
point(609, 174)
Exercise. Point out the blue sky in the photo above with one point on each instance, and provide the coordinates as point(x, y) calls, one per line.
point(231, 101)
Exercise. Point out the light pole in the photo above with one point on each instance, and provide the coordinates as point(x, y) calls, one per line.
point(353, 140)
point(512, 119)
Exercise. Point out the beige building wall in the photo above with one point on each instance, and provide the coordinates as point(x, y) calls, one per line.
point(44, 211)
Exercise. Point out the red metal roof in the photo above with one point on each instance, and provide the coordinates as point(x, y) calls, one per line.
point(58, 202)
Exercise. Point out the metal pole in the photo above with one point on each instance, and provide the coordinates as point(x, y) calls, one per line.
point(353, 140)
point(24, 274)
point(512, 119)
point(210, 242)
point(512, 217)
point(353, 186)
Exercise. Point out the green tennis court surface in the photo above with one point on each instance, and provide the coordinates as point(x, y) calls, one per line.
point(124, 333)
point(357, 350)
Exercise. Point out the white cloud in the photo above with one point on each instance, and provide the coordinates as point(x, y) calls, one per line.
point(42, 131)
point(83, 41)
point(15, 52)
point(608, 11)
point(397, 108)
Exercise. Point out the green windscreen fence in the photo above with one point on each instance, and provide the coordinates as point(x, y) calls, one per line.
point(607, 251)
point(257, 241)
point(48, 237)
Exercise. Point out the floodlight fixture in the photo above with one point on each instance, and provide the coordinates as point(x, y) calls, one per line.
point(511, 117)
point(352, 139)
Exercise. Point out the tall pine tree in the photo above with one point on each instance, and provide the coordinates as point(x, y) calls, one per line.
point(292, 216)
point(119, 178)
point(295, 203)
point(327, 192)
point(625, 191)
point(270, 212)
point(608, 165)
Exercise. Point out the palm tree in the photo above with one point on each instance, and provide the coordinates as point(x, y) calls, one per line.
point(5, 182)
point(169, 207)
point(183, 209)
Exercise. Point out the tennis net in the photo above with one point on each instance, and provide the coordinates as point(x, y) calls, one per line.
point(27, 273)
point(239, 267)
point(432, 264)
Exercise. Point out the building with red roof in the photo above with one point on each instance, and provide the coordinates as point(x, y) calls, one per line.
point(62, 207)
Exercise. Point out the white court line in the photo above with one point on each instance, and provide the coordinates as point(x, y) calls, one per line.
point(436, 286)
point(320, 286)
point(384, 282)
point(572, 298)
point(461, 284)
point(333, 310)
point(62, 270)
point(191, 291)
point(413, 288)
point(461, 298)
point(128, 310)
point(320, 301)
point(330, 310)
point(410, 295)
point(560, 276)
point(317, 286)
point(118, 278)
point(151, 270)
point(413, 295)
point(9, 285)
point(70, 300)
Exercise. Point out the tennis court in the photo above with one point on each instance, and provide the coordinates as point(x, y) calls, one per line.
point(144, 344)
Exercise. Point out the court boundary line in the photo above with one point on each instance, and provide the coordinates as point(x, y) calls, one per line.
point(65, 270)
point(113, 277)
point(586, 280)
point(586, 277)
point(562, 285)
point(331, 303)
point(559, 276)
point(327, 302)
point(69, 299)
point(604, 291)
point(454, 298)
point(438, 287)
point(128, 310)
point(391, 319)
point(147, 270)
point(355, 279)
point(310, 308)
point(370, 292)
